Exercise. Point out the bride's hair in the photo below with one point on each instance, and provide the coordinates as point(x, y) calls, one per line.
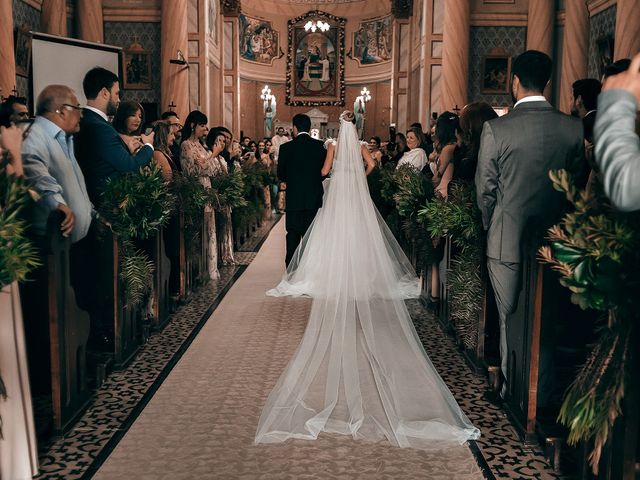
point(348, 116)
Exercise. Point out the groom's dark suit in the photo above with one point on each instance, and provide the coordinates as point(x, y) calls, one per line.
point(299, 165)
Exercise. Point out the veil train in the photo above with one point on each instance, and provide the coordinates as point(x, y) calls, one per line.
point(360, 368)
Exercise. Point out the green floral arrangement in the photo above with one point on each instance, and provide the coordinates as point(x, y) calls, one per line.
point(227, 190)
point(191, 197)
point(137, 204)
point(596, 251)
point(17, 254)
point(459, 218)
point(136, 272)
point(255, 176)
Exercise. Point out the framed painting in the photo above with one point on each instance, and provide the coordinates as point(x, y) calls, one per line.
point(604, 46)
point(137, 68)
point(372, 41)
point(259, 42)
point(315, 62)
point(23, 51)
point(496, 73)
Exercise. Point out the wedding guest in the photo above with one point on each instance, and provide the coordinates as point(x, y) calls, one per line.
point(100, 151)
point(446, 140)
point(374, 149)
point(163, 139)
point(585, 102)
point(399, 149)
point(11, 145)
point(427, 145)
point(465, 155)
point(128, 121)
point(617, 145)
point(173, 120)
point(196, 160)
point(51, 167)
point(517, 201)
point(278, 139)
point(216, 142)
point(13, 110)
point(415, 156)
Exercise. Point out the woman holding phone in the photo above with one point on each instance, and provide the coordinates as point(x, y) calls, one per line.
point(128, 122)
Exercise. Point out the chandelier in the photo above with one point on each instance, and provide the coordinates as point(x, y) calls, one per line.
point(316, 24)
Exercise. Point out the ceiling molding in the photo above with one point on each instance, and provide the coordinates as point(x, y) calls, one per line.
point(131, 15)
point(498, 20)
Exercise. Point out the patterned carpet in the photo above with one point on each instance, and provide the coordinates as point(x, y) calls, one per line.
point(201, 421)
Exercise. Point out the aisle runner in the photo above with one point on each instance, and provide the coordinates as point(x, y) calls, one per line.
point(201, 422)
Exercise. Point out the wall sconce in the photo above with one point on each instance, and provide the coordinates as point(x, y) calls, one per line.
point(179, 60)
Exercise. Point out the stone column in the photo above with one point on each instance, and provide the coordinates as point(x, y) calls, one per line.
point(455, 55)
point(7, 58)
point(627, 27)
point(174, 86)
point(575, 50)
point(540, 25)
point(90, 21)
point(53, 17)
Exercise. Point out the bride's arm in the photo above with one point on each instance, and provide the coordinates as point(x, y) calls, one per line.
point(371, 163)
point(328, 160)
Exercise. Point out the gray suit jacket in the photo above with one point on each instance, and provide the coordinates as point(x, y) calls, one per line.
point(515, 195)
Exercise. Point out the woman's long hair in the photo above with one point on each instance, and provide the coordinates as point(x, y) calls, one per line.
point(161, 129)
point(446, 127)
point(196, 117)
point(126, 110)
point(472, 120)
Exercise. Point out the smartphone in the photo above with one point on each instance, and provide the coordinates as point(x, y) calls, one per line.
point(148, 130)
point(392, 132)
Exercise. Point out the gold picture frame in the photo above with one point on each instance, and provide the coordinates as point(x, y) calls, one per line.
point(136, 68)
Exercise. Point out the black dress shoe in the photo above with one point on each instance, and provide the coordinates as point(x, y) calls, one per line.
point(493, 398)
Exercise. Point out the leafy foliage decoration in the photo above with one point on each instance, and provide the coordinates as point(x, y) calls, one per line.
point(17, 254)
point(596, 251)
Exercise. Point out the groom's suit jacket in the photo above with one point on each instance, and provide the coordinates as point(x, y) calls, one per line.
point(299, 164)
point(514, 192)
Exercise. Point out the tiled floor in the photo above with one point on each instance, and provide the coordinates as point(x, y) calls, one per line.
point(123, 396)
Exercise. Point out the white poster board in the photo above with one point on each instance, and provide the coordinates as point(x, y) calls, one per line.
point(65, 61)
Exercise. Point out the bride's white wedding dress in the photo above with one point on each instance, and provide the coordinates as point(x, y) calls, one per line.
point(360, 368)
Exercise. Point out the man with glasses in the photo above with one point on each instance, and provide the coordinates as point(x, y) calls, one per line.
point(50, 164)
point(176, 128)
point(13, 110)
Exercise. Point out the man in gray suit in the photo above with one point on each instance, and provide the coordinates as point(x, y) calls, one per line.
point(516, 197)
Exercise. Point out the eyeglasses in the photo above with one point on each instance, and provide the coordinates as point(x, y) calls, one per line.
point(177, 125)
point(22, 114)
point(74, 107)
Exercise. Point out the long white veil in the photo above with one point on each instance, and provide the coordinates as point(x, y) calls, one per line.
point(360, 368)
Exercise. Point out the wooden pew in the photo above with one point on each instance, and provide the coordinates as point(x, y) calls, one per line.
point(193, 260)
point(161, 274)
point(50, 300)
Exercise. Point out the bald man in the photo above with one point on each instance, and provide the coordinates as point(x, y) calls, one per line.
point(51, 167)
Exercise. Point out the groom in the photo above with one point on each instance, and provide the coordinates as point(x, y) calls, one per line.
point(299, 165)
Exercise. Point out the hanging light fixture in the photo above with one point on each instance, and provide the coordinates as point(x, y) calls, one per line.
point(316, 24)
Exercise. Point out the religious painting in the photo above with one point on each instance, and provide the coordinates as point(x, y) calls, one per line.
point(496, 73)
point(259, 42)
point(315, 62)
point(137, 67)
point(23, 51)
point(212, 20)
point(604, 46)
point(372, 41)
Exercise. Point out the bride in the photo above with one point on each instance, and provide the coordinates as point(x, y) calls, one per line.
point(360, 368)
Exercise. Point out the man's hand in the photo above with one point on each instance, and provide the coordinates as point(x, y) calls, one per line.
point(628, 80)
point(66, 227)
point(147, 138)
